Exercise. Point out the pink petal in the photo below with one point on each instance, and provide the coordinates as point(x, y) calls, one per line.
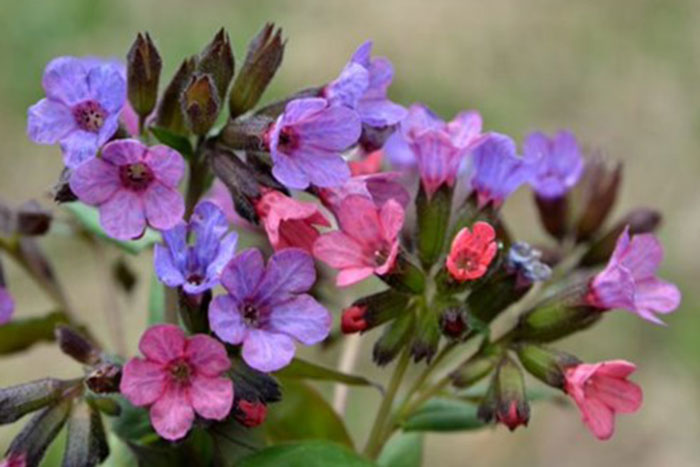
point(643, 256)
point(226, 321)
point(303, 318)
point(301, 109)
point(616, 368)
point(122, 216)
point(95, 181)
point(172, 414)
point(351, 276)
point(163, 343)
point(334, 128)
point(207, 355)
point(358, 218)
point(391, 217)
point(619, 394)
point(599, 418)
point(164, 206)
point(167, 164)
point(143, 381)
point(340, 251)
point(267, 351)
point(124, 151)
point(465, 128)
point(212, 398)
point(657, 296)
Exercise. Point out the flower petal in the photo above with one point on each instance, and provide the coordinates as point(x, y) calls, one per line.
point(165, 267)
point(351, 276)
point(208, 224)
point(95, 181)
point(226, 321)
point(65, 80)
point(172, 414)
point(340, 251)
point(162, 343)
point(164, 206)
point(643, 256)
point(124, 152)
point(598, 417)
point(167, 164)
point(303, 318)
point(176, 241)
point(334, 128)
point(243, 273)
point(380, 112)
point(7, 306)
point(348, 88)
point(657, 296)
point(143, 381)
point(358, 218)
point(267, 351)
point(212, 398)
point(77, 147)
point(391, 217)
point(288, 172)
point(302, 109)
point(122, 216)
point(108, 87)
point(207, 355)
point(322, 168)
point(288, 271)
point(227, 248)
point(49, 121)
point(619, 394)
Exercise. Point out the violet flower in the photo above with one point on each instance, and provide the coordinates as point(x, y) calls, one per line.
point(379, 187)
point(7, 306)
point(133, 185)
point(629, 280)
point(196, 267)
point(557, 162)
point(267, 308)
point(306, 142)
point(84, 98)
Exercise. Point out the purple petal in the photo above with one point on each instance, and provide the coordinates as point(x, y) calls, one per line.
point(227, 248)
point(208, 224)
point(49, 121)
point(614, 287)
point(65, 80)
point(143, 381)
point(289, 271)
point(226, 321)
point(363, 53)
point(398, 151)
point(7, 306)
point(167, 164)
point(657, 296)
point(165, 267)
point(207, 355)
point(323, 169)
point(212, 398)
point(380, 112)
point(349, 87)
point(243, 273)
point(95, 181)
point(163, 205)
point(643, 256)
point(498, 172)
point(77, 147)
point(438, 159)
point(122, 216)
point(109, 128)
point(301, 109)
point(381, 72)
point(334, 128)
point(383, 187)
point(172, 414)
point(288, 172)
point(108, 87)
point(124, 152)
point(267, 351)
point(176, 241)
point(303, 318)
point(465, 129)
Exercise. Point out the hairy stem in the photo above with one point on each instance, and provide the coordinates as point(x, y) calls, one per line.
point(351, 350)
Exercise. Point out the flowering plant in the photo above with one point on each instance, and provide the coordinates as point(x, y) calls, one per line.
point(282, 206)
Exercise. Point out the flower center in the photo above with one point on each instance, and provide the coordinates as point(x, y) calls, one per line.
point(380, 256)
point(251, 315)
point(136, 177)
point(467, 260)
point(89, 115)
point(180, 370)
point(195, 279)
point(288, 139)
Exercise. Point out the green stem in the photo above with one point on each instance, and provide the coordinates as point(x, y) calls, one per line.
point(196, 183)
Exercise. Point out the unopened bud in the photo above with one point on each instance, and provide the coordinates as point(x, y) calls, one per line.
point(432, 217)
point(29, 219)
point(240, 180)
point(545, 364)
point(427, 336)
point(353, 320)
point(86, 443)
point(374, 310)
point(507, 403)
point(17, 401)
point(105, 378)
point(143, 66)
point(169, 113)
point(473, 370)
point(251, 413)
point(491, 298)
point(554, 215)
point(200, 103)
point(395, 337)
point(453, 322)
point(217, 60)
point(61, 192)
point(75, 345)
point(596, 193)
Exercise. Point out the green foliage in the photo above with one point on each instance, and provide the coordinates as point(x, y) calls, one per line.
point(22, 333)
point(301, 369)
point(306, 454)
point(178, 142)
point(403, 450)
point(444, 415)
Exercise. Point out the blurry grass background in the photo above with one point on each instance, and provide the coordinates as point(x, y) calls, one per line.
point(624, 75)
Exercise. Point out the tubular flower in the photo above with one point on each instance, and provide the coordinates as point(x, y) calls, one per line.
point(600, 391)
point(353, 319)
point(629, 280)
point(196, 268)
point(379, 187)
point(178, 377)
point(267, 308)
point(557, 163)
point(367, 242)
point(471, 253)
point(84, 98)
point(133, 185)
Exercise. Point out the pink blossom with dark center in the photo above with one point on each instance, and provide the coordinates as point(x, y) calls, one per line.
point(133, 186)
point(557, 162)
point(267, 309)
point(306, 142)
point(629, 280)
point(7, 306)
point(84, 98)
point(178, 377)
point(602, 390)
point(367, 242)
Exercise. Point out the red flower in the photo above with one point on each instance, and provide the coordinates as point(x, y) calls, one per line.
point(353, 319)
point(251, 413)
point(472, 252)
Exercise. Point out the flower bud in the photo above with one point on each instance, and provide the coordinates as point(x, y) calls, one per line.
point(217, 60)
point(433, 217)
point(405, 276)
point(240, 179)
point(250, 413)
point(104, 378)
point(490, 299)
point(453, 321)
point(264, 57)
point(473, 370)
point(169, 113)
point(17, 401)
point(596, 194)
point(554, 319)
point(87, 442)
point(395, 337)
point(143, 65)
point(200, 103)
point(427, 336)
point(28, 219)
point(76, 346)
point(545, 364)
point(353, 320)
point(374, 310)
point(61, 192)
point(507, 403)
point(554, 213)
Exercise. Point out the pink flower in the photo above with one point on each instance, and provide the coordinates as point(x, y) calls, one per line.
point(288, 222)
point(178, 377)
point(629, 280)
point(379, 187)
point(367, 242)
point(251, 413)
point(370, 164)
point(600, 391)
point(471, 252)
point(133, 185)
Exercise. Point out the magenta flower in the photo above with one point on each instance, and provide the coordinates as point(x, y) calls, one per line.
point(306, 142)
point(379, 187)
point(84, 98)
point(14, 460)
point(267, 308)
point(362, 86)
point(7, 306)
point(196, 267)
point(629, 280)
point(498, 171)
point(557, 162)
point(367, 242)
point(600, 391)
point(133, 185)
point(178, 377)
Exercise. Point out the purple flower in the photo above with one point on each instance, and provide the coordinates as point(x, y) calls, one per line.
point(133, 185)
point(629, 280)
point(84, 98)
point(196, 267)
point(363, 84)
point(497, 170)
point(266, 308)
point(7, 306)
point(379, 187)
point(557, 162)
point(306, 142)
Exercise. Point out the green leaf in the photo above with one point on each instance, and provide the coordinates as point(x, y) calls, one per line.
point(304, 414)
point(89, 218)
point(178, 142)
point(306, 454)
point(233, 442)
point(156, 301)
point(20, 334)
point(403, 450)
point(444, 415)
point(17, 401)
point(306, 370)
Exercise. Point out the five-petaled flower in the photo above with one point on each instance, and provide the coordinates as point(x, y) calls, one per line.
point(471, 253)
point(600, 391)
point(179, 376)
point(367, 242)
point(557, 162)
point(362, 85)
point(267, 308)
point(196, 267)
point(289, 222)
point(629, 280)
point(84, 98)
point(133, 185)
point(7, 306)
point(306, 142)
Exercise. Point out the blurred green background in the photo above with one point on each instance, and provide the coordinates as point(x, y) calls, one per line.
point(624, 75)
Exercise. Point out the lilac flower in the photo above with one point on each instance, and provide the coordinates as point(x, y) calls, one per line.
point(379, 187)
point(557, 162)
point(196, 267)
point(629, 280)
point(306, 142)
point(84, 98)
point(133, 185)
point(363, 84)
point(498, 171)
point(7, 306)
point(266, 308)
